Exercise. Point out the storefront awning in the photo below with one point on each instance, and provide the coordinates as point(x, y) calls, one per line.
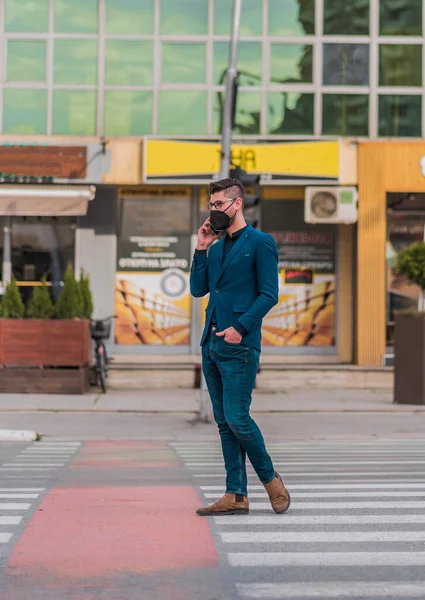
point(45, 201)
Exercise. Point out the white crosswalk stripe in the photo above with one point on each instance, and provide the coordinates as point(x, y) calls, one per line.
point(355, 529)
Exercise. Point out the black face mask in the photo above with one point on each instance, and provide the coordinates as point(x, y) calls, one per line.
point(220, 220)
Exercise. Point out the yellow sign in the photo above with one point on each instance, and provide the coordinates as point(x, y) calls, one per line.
point(167, 159)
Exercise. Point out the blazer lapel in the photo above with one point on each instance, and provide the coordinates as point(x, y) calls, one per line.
point(236, 248)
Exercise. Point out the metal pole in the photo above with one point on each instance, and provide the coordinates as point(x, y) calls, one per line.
point(226, 133)
point(7, 250)
point(205, 412)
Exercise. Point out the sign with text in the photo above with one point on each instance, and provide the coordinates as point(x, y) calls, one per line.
point(60, 162)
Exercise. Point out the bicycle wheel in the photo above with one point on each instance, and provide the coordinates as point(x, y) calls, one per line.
point(102, 369)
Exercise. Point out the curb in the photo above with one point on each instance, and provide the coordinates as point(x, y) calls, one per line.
point(12, 435)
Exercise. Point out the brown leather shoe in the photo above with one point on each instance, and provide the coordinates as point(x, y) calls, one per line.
point(279, 496)
point(230, 504)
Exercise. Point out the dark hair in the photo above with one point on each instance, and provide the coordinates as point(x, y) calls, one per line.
point(233, 188)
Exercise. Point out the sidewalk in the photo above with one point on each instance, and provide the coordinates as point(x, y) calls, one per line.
point(187, 401)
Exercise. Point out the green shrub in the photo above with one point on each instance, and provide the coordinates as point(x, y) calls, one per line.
point(69, 304)
point(87, 298)
point(41, 305)
point(411, 264)
point(11, 306)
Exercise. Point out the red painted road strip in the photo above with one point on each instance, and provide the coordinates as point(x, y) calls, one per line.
point(93, 532)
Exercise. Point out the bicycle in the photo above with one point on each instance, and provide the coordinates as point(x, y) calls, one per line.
point(100, 331)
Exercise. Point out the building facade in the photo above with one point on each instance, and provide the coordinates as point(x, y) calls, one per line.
point(127, 95)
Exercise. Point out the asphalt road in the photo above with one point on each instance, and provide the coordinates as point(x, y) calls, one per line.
point(115, 519)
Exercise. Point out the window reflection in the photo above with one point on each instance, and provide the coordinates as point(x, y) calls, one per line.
point(74, 112)
point(183, 63)
point(249, 63)
point(248, 113)
point(400, 17)
point(78, 16)
point(291, 17)
point(291, 63)
point(400, 65)
point(129, 17)
point(290, 113)
point(184, 17)
point(128, 62)
point(182, 113)
point(345, 114)
point(26, 60)
point(127, 112)
point(24, 111)
point(251, 17)
point(75, 61)
point(346, 64)
point(27, 15)
point(346, 18)
point(400, 116)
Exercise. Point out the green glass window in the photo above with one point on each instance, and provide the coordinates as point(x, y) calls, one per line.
point(248, 113)
point(400, 116)
point(290, 63)
point(27, 16)
point(400, 65)
point(74, 112)
point(346, 18)
point(127, 113)
point(290, 113)
point(78, 16)
point(183, 63)
point(251, 17)
point(182, 113)
point(26, 60)
point(184, 17)
point(291, 17)
point(249, 63)
point(24, 111)
point(129, 62)
point(400, 17)
point(75, 61)
point(129, 17)
point(345, 114)
point(346, 64)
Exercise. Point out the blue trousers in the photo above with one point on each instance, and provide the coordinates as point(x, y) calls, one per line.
point(230, 371)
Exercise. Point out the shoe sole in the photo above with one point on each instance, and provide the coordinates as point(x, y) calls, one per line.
point(281, 512)
point(243, 511)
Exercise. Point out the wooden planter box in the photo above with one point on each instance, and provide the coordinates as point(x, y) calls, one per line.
point(409, 359)
point(44, 355)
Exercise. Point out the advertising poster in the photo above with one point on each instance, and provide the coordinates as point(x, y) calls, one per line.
point(152, 281)
point(305, 313)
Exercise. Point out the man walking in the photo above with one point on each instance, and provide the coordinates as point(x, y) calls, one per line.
point(240, 273)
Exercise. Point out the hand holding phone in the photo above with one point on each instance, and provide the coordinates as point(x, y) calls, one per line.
point(206, 235)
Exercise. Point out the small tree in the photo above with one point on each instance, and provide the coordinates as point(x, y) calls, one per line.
point(41, 305)
point(411, 264)
point(11, 306)
point(87, 298)
point(69, 304)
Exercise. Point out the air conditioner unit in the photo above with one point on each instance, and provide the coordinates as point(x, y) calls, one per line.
point(330, 205)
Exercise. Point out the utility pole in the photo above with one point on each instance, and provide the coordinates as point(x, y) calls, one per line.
point(205, 414)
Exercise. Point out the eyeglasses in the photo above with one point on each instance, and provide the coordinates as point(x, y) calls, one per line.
point(219, 204)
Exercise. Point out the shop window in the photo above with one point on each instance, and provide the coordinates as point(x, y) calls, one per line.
point(251, 17)
point(290, 113)
point(75, 62)
point(400, 116)
point(248, 113)
point(400, 65)
point(291, 17)
point(184, 17)
point(26, 60)
point(74, 112)
point(27, 16)
point(127, 113)
point(129, 17)
point(345, 114)
point(24, 111)
point(174, 107)
point(128, 62)
point(250, 63)
point(78, 16)
point(400, 17)
point(291, 63)
point(183, 63)
point(346, 18)
point(346, 64)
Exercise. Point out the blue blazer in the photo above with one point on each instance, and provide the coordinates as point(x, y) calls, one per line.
point(243, 287)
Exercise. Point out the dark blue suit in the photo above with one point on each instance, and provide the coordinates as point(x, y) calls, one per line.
point(243, 287)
